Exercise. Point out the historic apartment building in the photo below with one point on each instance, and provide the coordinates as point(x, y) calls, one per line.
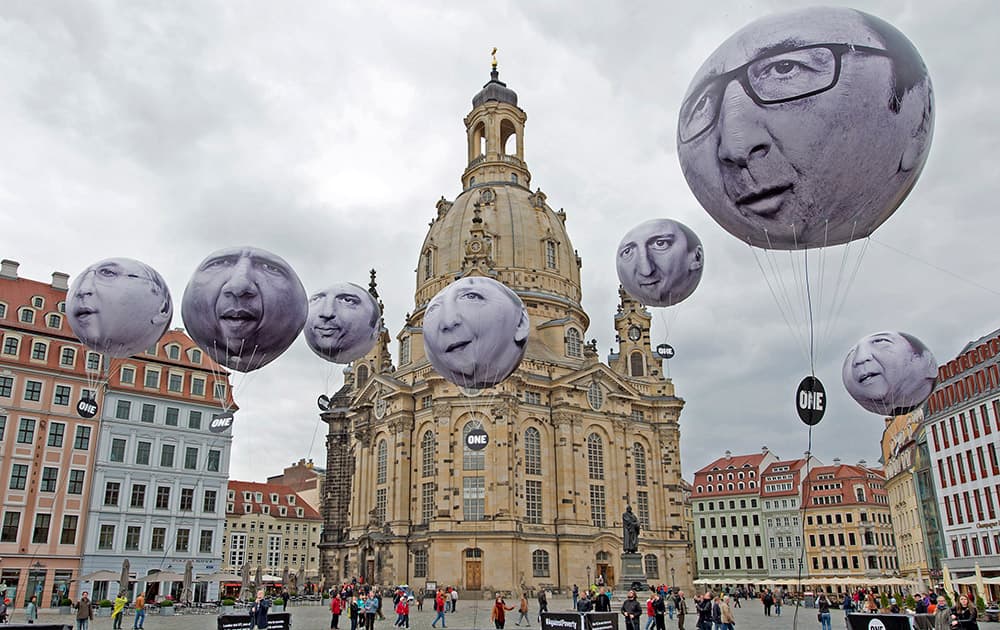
point(848, 525)
point(912, 498)
point(47, 450)
point(161, 471)
point(963, 416)
point(728, 519)
point(781, 512)
point(572, 440)
point(305, 479)
point(273, 529)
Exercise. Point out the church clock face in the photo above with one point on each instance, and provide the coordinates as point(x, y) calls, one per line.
point(634, 333)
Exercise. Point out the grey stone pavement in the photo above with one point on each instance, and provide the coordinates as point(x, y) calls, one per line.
point(470, 615)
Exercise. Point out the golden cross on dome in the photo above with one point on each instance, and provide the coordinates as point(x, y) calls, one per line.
point(494, 53)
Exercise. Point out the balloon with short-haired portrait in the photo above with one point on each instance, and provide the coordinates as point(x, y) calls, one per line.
point(244, 306)
point(475, 332)
point(807, 129)
point(119, 306)
point(660, 262)
point(343, 322)
point(890, 373)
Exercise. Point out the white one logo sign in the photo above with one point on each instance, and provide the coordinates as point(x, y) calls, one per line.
point(477, 439)
point(220, 422)
point(876, 624)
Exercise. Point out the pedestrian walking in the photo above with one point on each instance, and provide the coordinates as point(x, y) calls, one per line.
point(140, 612)
point(659, 610)
point(84, 612)
point(522, 611)
point(439, 609)
point(576, 595)
point(118, 611)
point(498, 615)
point(823, 611)
point(31, 610)
point(543, 604)
point(681, 606)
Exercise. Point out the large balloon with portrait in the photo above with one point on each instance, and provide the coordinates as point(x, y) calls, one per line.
point(807, 129)
point(119, 306)
point(660, 262)
point(475, 332)
point(890, 373)
point(343, 322)
point(244, 306)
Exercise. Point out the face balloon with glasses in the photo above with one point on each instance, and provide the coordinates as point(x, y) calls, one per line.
point(890, 373)
point(475, 332)
point(119, 306)
point(244, 306)
point(660, 262)
point(807, 129)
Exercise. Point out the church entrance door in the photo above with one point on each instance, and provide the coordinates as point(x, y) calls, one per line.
point(473, 575)
point(608, 571)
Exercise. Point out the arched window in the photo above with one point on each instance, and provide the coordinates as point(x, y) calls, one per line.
point(729, 486)
point(428, 264)
point(652, 566)
point(513, 178)
point(636, 364)
point(508, 137)
point(740, 485)
point(540, 563)
point(595, 456)
point(752, 485)
point(595, 396)
point(639, 456)
point(532, 452)
point(573, 345)
point(472, 460)
point(551, 261)
point(404, 350)
point(474, 553)
point(382, 460)
point(427, 454)
point(362, 372)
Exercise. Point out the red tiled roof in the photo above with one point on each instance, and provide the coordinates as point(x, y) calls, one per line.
point(267, 489)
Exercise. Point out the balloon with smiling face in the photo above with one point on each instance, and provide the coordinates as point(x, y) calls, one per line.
point(806, 129)
point(660, 262)
point(475, 332)
point(890, 373)
point(119, 306)
point(244, 306)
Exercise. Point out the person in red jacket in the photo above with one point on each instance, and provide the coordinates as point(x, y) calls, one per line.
point(402, 613)
point(336, 607)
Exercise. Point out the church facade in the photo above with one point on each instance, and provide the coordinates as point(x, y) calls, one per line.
point(572, 440)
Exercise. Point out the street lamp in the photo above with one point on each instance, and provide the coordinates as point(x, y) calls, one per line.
point(673, 579)
point(588, 576)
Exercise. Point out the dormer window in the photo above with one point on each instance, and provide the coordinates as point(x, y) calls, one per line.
point(195, 355)
point(282, 510)
point(573, 343)
point(174, 352)
point(54, 320)
point(291, 499)
point(551, 261)
point(300, 512)
point(247, 508)
point(38, 301)
point(27, 316)
point(265, 509)
point(274, 498)
point(258, 497)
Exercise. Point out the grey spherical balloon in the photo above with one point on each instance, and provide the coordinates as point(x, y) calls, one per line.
point(890, 373)
point(343, 323)
point(660, 262)
point(475, 332)
point(244, 306)
point(119, 306)
point(807, 129)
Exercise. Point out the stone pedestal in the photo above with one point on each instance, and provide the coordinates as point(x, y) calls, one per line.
point(632, 570)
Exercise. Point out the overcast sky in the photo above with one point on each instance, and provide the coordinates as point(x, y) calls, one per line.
point(326, 132)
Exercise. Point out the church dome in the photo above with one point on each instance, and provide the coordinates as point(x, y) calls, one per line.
point(495, 90)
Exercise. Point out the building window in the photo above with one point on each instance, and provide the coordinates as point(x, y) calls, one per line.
point(67, 357)
point(595, 396)
point(652, 565)
point(132, 535)
point(54, 321)
point(426, 502)
point(57, 431)
point(574, 347)
point(11, 523)
point(191, 458)
point(428, 264)
point(196, 356)
point(472, 460)
point(194, 420)
point(50, 479)
point(148, 413)
point(183, 541)
point(427, 454)
point(6, 386)
point(208, 503)
point(595, 456)
point(26, 431)
point(18, 477)
point(111, 491)
point(205, 541)
point(550, 255)
point(3, 426)
point(163, 497)
point(3, 310)
point(532, 451)
point(404, 350)
point(38, 301)
point(171, 416)
point(598, 510)
point(39, 350)
point(197, 386)
point(382, 461)
point(174, 352)
point(419, 563)
point(473, 498)
point(380, 504)
point(237, 549)
point(273, 550)
point(10, 345)
point(93, 362)
point(117, 450)
point(142, 452)
point(362, 376)
point(540, 563)
point(27, 316)
point(532, 398)
point(642, 503)
point(33, 390)
point(214, 460)
point(639, 458)
point(75, 485)
point(82, 440)
point(533, 501)
point(68, 534)
point(187, 500)
point(123, 409)
point(158, 540)
point(219, 391)
point(138, 497)
point(636, 364)
point(61, 395)
point(106, 538)
point(152, 378)
point(175, 383)
point(127, 375)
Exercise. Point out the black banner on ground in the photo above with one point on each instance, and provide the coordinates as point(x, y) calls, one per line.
point(861, 621)
point(278, 621)
point(562, 621)
point(601, 621)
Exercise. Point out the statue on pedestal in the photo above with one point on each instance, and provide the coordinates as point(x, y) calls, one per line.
point(630, 531)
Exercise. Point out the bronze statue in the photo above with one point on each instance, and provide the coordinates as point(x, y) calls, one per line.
point(630, 531)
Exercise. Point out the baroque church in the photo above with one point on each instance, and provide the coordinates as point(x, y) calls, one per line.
point(572, 441)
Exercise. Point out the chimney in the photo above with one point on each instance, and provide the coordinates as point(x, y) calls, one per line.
point(836, 461)
point(8, 269)
point(60, 281)
point(862, 463)
point(729, 454)
point(763, 450)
